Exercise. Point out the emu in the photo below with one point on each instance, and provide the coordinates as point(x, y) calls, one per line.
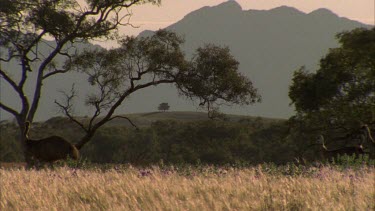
point(332, 153)
point(48, 149)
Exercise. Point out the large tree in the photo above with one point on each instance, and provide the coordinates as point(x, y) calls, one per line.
point(25, 25)
point(340, 96)
point(211, 76)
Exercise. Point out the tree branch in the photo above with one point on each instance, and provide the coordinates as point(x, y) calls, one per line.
point(9, 80)
point(18, 89)
point(67, 108)
point(104, 10)
point(109, 114)
point(123, 117)
point(10, 110)
point(54, 73)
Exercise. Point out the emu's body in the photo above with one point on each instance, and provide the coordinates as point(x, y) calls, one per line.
point(49, 149)
point(348, 150)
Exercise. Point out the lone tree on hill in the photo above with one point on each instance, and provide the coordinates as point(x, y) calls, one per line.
point(163, 107)
point(211, 76)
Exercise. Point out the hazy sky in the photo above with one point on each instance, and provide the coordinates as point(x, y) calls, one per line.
point(154, 17)
point(171, 11)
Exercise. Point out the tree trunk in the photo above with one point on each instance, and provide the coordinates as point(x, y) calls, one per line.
point(84, 140)
point(22, 139)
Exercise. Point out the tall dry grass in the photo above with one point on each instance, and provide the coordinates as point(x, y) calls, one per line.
point(156, 189)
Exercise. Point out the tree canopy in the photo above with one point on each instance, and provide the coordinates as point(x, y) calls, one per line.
point(211, 76)
point(163, 107)
point(340, 95)
point(25, 25)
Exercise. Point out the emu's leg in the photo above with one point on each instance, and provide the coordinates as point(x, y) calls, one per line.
point(39, 164)
point(51, 166)
point(30, 161)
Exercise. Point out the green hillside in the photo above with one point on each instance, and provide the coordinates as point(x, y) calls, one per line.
point(145, 119)
point(174, 137)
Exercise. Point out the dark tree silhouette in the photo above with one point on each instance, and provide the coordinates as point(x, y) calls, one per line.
point(211, 76)
point(24, 27)
point(163, 107)
point(339, 98)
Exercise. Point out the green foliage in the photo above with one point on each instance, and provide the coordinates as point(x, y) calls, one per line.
point(353, 161)
point(203, 142)
point(342, 91)
point(220, 143)
point(63, 19)
point(10, 146)
point(25, 25)
point(339, 97)
point(211, 76)
point(163, 107)
point(104, 144)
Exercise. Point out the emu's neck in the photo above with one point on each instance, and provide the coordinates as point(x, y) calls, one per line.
point(328, 150)
point(368, 132)
point(26, 132)
point(324, 144)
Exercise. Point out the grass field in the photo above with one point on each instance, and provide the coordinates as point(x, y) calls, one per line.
point(208, 188)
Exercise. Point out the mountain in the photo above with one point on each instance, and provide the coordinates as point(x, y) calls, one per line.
point(269, 44)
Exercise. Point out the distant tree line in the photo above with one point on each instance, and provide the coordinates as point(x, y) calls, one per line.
point(209, 142)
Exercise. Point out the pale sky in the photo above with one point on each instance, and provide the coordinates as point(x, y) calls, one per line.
point(155, 17)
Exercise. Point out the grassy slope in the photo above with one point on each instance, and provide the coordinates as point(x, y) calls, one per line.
point(70, 130)
point(145, 119)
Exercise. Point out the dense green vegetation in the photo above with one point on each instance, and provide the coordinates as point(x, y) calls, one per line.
point(170, 141)
point(238, 140)
point(339, 97)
